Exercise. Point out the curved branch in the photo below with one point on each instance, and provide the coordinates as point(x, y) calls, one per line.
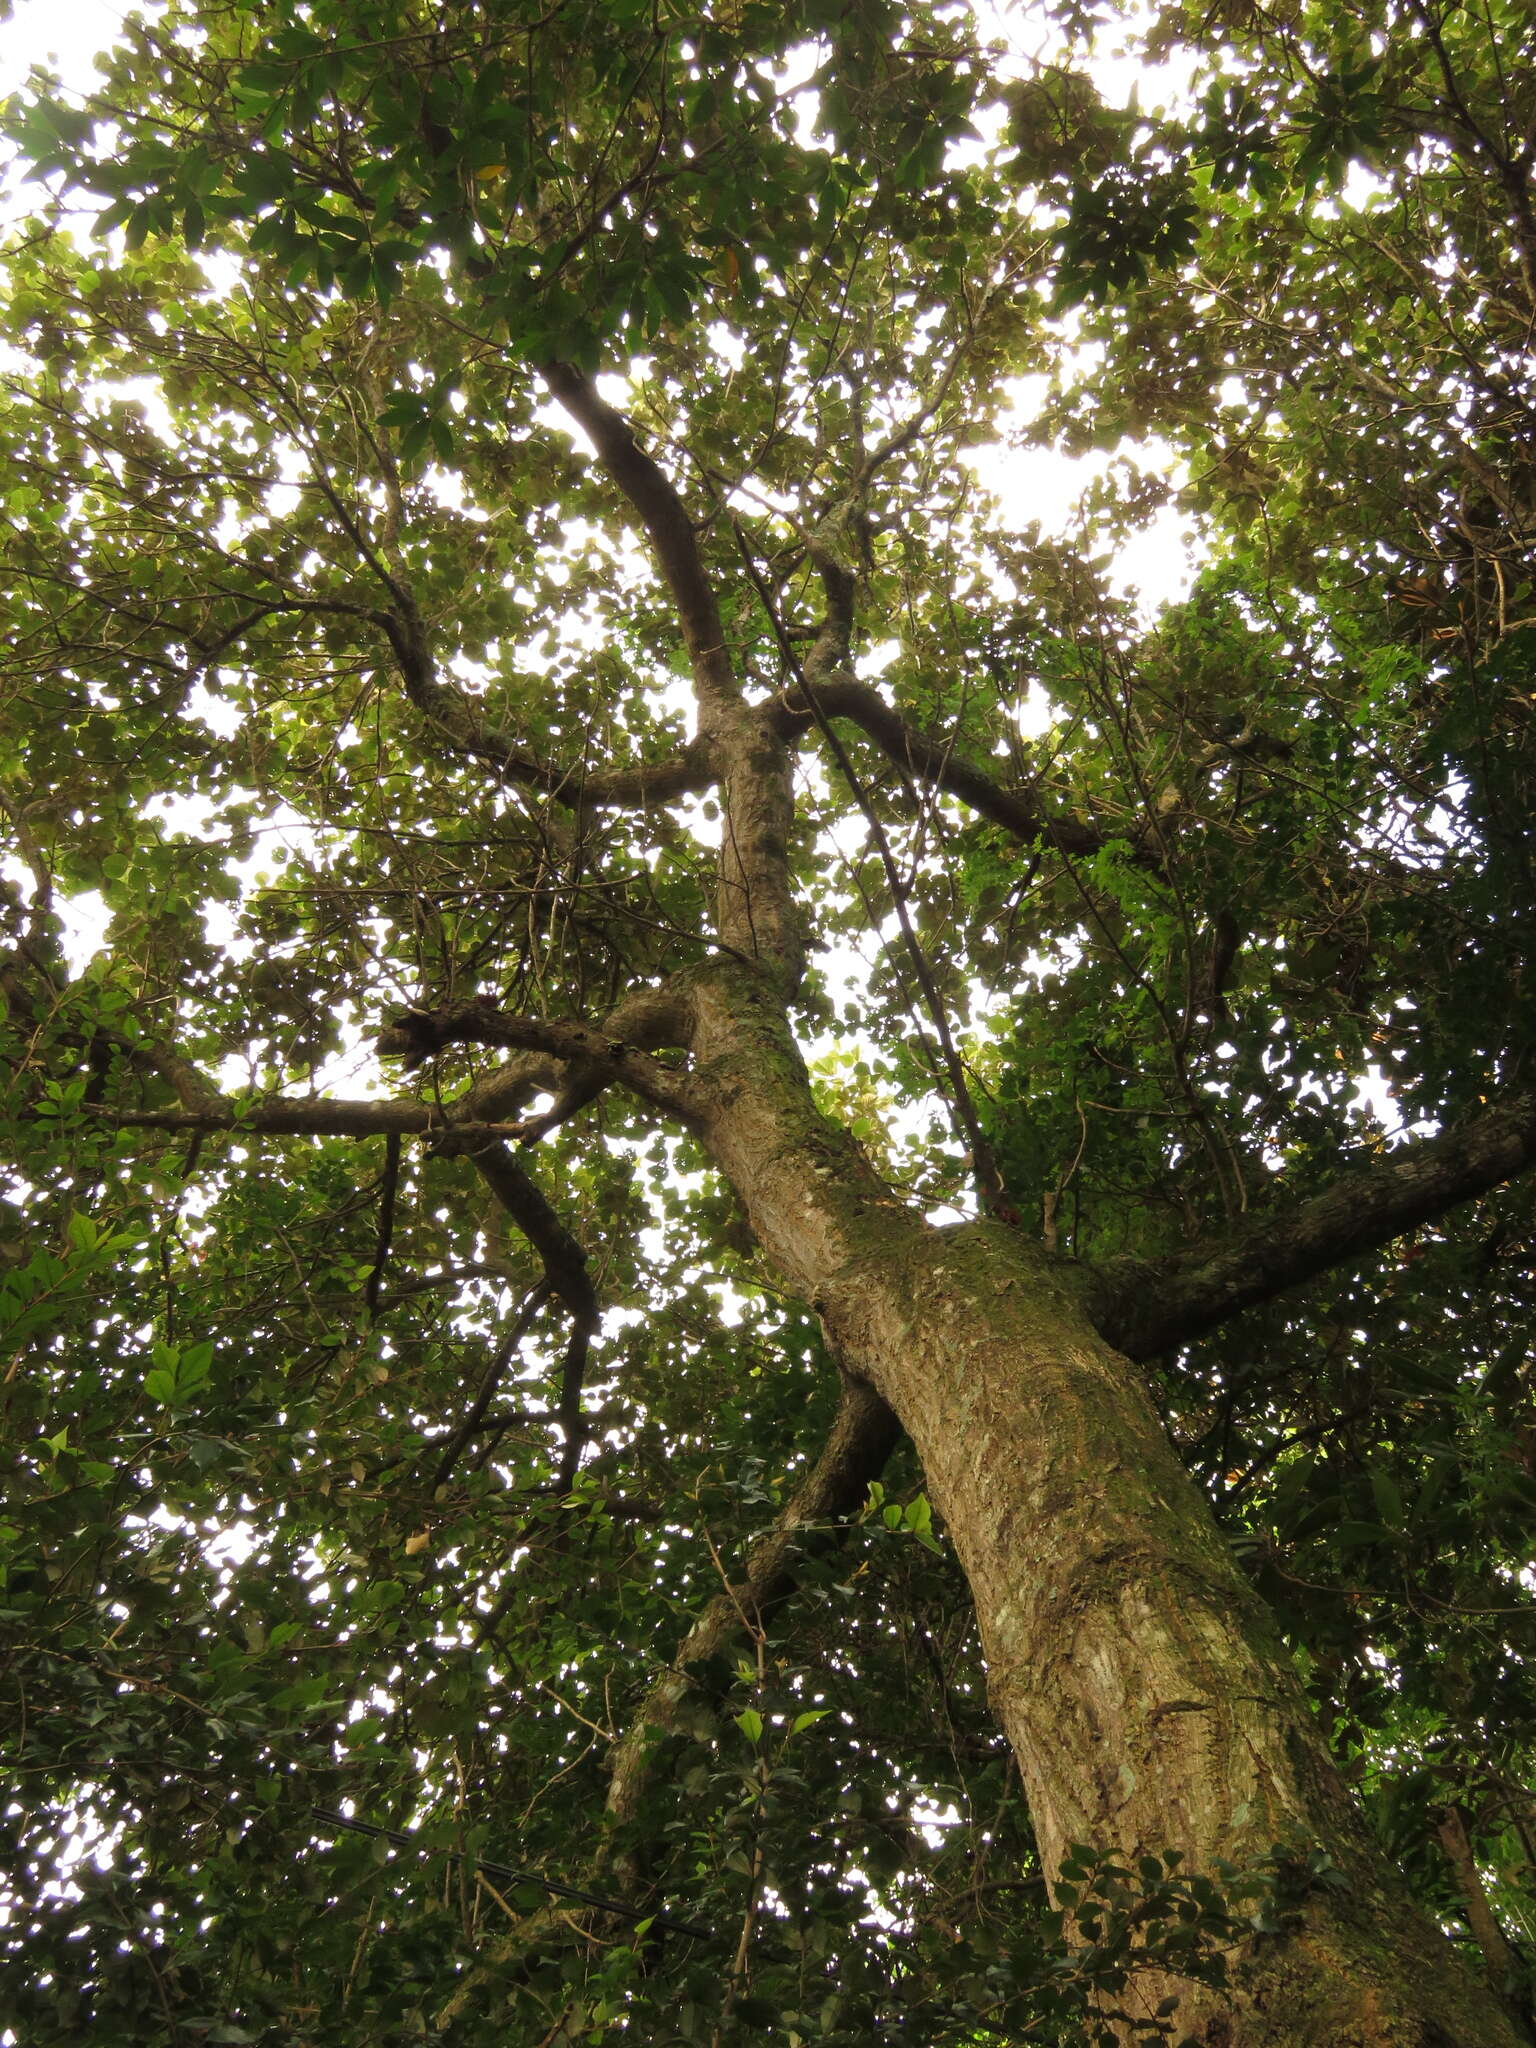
point(565, 1276)
point(33, 983)
point(864, 1432)
point(1147, 1307)
point(756, 908)
point(418, 1035)
point(1499, 1955)
point(490, 1380)
point(934, 762)
point(191, 1086)
point(648, 1018)
point(685, 773)
point(665, 518)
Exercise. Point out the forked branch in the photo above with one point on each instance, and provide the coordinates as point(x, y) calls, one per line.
point(419, 1035)
point(864, 1432)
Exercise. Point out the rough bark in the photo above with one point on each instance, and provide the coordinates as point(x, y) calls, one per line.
point(1500, 1957)
point(1148, 1306)
point(1148, 1698)
point(1149, 1701)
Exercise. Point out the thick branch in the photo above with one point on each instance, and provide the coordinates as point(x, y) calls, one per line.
point(934, 762)
point(1502, 1963)
point(317, 1117)
point(420, 1034)
point(496, 1097)
point(757, 913)
point(648, 1018)
point(665, 518)
point(686, 773)
point(193, 1090)
point(1147, 1307)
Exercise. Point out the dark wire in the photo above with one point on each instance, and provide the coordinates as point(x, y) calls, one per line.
point(333, 1819)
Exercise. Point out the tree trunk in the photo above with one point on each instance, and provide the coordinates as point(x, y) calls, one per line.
point(1145, 1692)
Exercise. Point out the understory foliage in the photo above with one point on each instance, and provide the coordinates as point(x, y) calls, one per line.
point(341, 684)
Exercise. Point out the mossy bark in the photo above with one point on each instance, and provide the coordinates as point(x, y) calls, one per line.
point(1146, 1693)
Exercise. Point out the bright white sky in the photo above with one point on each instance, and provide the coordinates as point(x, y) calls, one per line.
point(64, 34)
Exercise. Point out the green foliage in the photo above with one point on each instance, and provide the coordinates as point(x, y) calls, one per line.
point(1121, 224)
point(289, 376)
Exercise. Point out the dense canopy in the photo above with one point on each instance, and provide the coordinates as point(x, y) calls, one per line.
point(764, 1270)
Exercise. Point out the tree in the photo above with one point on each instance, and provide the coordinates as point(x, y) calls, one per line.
point(843, 1473)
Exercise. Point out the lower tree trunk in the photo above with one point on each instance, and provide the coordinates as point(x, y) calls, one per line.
point(1143, 1688)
